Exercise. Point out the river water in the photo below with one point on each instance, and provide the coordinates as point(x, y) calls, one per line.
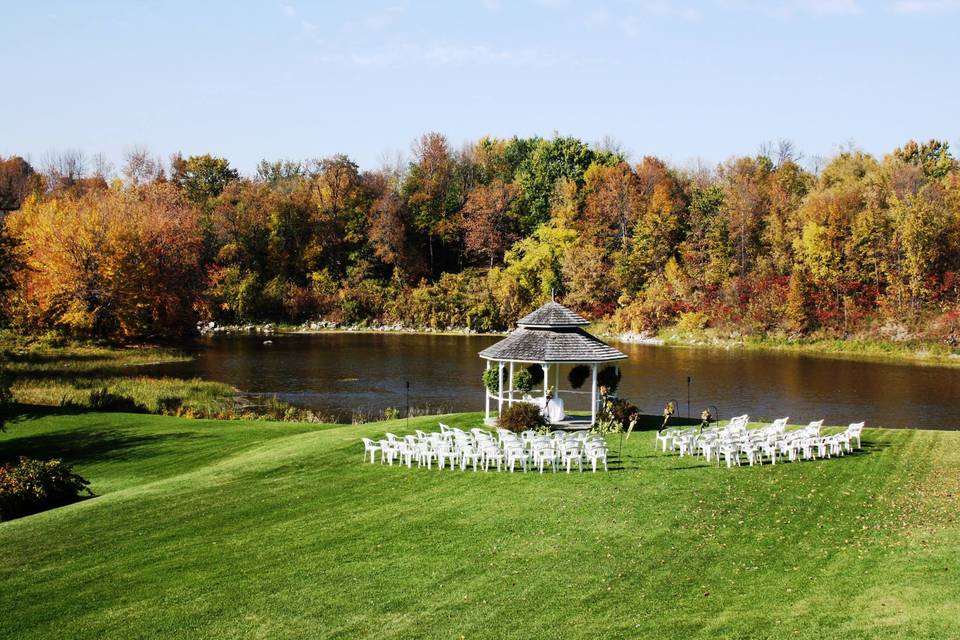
point(341, 373)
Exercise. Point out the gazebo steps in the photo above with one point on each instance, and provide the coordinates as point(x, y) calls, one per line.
point(572, 423)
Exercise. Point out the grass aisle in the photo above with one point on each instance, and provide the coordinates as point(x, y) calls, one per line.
point(206, 529)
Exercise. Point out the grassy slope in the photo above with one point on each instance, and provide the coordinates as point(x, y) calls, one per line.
point(253, 530)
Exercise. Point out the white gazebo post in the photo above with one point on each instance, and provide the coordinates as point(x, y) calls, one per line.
point(546, 382)
point(510, 386)
point(499, 389)
point(486, 395)
point(593, 395)
point(556, 392)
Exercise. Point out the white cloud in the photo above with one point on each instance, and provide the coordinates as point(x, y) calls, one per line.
point(925, 7)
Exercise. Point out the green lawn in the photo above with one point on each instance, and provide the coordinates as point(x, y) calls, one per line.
point(205, 529)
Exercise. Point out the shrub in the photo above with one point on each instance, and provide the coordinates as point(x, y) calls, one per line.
point(36, 485)
point(523, 381)
point(578, 375)
point(103, 400)
point(619, 412)
point(6, 397)
point(170, 405)
point(692, 322)
point(609, 377)
point(521, 417)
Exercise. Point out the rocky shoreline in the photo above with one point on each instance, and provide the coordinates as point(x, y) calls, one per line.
point(323, 326)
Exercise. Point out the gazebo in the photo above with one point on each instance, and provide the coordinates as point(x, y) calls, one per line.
point(551, 336)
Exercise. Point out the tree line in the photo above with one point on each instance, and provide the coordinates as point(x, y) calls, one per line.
point(477, 236)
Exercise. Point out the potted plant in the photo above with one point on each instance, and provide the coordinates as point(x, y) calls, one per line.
point(523, 381)
point(490, 381)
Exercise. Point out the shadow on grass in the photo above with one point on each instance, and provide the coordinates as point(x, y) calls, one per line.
point(88, 446)
point(27, 412)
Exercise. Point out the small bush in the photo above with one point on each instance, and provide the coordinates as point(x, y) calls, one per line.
point(578, 375)
point(692, 322)
point(521, 417)
point(523, 381)
point(170, 405)
point(103, 400)
point(615, 416)
point(32, 486)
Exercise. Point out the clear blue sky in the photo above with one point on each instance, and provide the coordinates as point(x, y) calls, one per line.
point(297, 79)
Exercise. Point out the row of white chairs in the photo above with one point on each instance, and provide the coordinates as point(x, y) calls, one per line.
point(734, 442)
point(451, 447)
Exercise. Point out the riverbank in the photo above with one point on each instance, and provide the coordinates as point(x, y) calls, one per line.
point(205, 529)
point(858, 348)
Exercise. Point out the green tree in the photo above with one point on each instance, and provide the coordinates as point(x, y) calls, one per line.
point(202, 178)
point(548, 162)
point(533, 268)
point(933, 157)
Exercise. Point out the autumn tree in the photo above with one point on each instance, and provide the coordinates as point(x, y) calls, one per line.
point(17, 181)
point(430, 192)
point(657, 234)
point(744, 182)
point(612, 203)
point(140, 166)
point(112, 263)
point(488, 220)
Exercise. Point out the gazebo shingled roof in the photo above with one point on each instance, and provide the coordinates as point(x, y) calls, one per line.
point(552, 314)
point(552, 333)
point(551, 345)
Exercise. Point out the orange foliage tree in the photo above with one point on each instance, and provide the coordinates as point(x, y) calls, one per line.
point(113, 262)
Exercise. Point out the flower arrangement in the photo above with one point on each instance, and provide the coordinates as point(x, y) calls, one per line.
point(705, 418)
point(668, 410)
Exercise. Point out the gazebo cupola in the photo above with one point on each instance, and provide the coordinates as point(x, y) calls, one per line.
point(552, 336)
